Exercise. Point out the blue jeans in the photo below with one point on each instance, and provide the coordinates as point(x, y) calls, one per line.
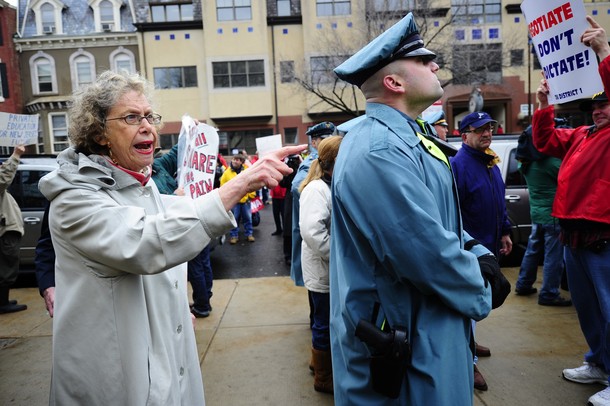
point(201, 278)
point(589, 280)
point(320, 333)
point(543, 241)
point(242, 212)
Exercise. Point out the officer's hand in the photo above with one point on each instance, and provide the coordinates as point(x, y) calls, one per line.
point(500, 286)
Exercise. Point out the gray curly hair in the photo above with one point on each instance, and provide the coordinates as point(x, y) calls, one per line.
point(91, 104)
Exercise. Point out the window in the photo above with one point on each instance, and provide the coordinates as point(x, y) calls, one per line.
point(238, 74)
point(514, 177)
point(82, 68)
point(106, 12)
point(516, 57)
point(230, 10)
point(399, 5)
point(58, 126)
point(476, 11)
point(42, 71)
point(333, 7)
point(172, 12)
point(480, 63)
point(283, 8)
point(3, 82)
point(25, 189)
point(47, 16)
point(122, 60)
point(291, 135)
point(175, 77)
point(322, 68)
point(287, 71)
point(167, 141)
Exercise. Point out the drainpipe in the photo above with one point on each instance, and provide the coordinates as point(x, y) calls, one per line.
point(277, 131)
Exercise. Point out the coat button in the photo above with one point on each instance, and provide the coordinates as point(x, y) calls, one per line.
point(179, 329)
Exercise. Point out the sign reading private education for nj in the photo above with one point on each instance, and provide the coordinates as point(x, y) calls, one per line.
point(570, 67)
point(18, 129)
point(197, 156)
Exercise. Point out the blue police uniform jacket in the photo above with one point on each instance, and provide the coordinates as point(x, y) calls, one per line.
point(296, 269)
point(481, 191)
point(397, 245)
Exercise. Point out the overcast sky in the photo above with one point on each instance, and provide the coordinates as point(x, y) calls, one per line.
point(13, 2)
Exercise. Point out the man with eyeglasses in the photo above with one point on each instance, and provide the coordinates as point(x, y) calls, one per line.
point(481, 195)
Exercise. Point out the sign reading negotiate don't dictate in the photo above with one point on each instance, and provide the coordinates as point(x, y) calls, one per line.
point(18, 129)
point(570, 67)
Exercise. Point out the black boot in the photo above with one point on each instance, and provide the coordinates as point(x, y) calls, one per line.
point(7, 306)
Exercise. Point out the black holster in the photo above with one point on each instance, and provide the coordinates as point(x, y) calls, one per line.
point(390, 356)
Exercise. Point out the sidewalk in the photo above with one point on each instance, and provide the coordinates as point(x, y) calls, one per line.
point(255, 347)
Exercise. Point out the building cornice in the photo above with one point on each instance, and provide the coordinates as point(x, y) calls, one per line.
point(77, 41)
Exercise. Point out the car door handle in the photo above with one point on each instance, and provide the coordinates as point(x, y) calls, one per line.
point(31, 220)
point(512, 197)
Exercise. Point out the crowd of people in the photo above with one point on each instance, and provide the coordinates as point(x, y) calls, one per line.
point(396, 283)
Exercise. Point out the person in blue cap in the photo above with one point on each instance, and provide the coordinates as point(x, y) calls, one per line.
point(481, 191)
point(316, 133)
point(480, 184)
point(405, 280)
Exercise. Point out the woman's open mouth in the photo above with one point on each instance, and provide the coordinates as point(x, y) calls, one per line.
point(144, 147)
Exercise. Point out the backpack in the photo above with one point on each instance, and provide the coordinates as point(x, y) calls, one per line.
point(526, 151)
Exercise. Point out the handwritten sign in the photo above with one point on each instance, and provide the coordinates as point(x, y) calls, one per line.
point(197, 155)
point(18, 129)
point(570, 67)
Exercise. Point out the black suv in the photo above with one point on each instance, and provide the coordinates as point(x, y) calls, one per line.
point(31, 202)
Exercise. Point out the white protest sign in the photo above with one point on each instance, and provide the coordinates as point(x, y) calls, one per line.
point(197, 160)
point(570, 67)
point(18, 129)
point(270, 143)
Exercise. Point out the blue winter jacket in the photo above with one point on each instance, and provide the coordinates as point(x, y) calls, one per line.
point(481, 190)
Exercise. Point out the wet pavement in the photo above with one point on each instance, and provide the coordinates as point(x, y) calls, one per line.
point(255, 346)
point(254, 349)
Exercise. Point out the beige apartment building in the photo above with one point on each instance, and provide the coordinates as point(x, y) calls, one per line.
point(253, 68)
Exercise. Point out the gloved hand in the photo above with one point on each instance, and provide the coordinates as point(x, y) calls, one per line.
point(500, 286)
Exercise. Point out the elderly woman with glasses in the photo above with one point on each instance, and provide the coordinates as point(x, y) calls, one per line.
point(122, 331)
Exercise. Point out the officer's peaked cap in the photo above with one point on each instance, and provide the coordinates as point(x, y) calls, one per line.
point(401, 40)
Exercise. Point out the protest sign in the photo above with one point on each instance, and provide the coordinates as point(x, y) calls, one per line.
point(570, 67)
point(270, 143)
point(18, 129)
point(197, 156)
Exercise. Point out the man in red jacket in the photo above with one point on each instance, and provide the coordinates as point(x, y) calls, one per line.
point(581, 205)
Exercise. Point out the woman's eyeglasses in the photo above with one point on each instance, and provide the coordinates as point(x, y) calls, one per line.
point(136, 119)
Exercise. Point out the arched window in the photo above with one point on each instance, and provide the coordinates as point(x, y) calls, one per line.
point(43, 75)
point(106, 12)
point(82, 68)
point(122, 60)
point(47, 17)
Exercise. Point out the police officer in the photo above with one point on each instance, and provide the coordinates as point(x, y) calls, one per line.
point(398, 256)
